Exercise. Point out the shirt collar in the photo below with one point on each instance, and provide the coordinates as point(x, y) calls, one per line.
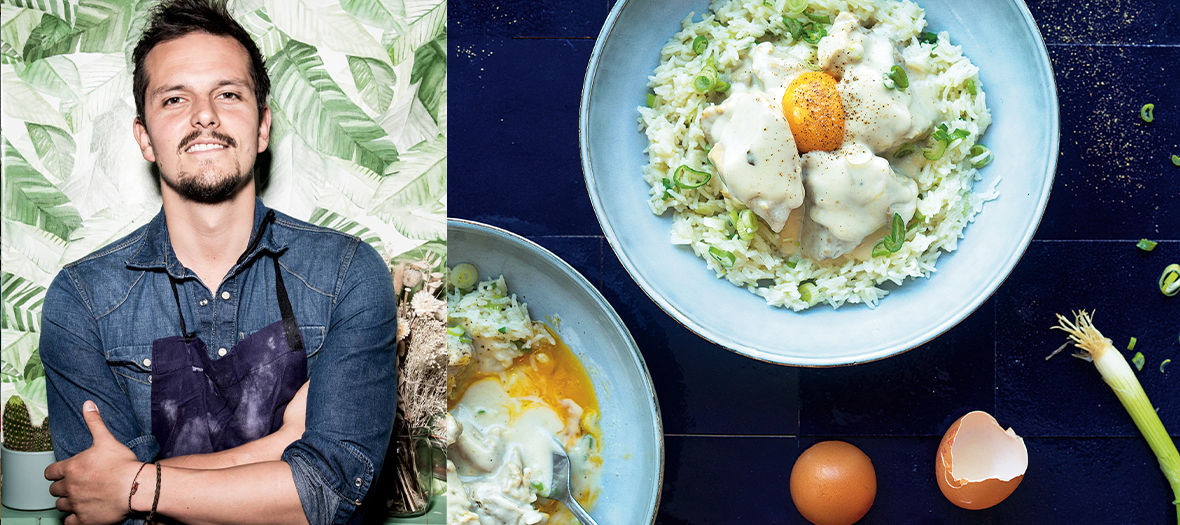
point(156, 251)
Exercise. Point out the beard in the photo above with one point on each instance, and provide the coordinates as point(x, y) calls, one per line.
point(208, 184)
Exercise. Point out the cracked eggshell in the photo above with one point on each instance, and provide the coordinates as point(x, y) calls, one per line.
point(979, 464)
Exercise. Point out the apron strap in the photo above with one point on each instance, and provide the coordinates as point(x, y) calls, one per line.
point(294, 342)
point(183, 329)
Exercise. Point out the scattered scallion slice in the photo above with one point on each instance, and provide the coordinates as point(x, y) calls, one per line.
point(812, 34)
point(970, 85)
point(792, 264)
point(700, 44)
point(1147, 112)
point(807, 291)
point(823, 19)
point(503, 329)
point(463, 276)
point(651, 100)
point(688, 178)
point(928, 38)
point(899, 78)
point(794, 27)
point(1131, 344)
point(1138, 360)
point(796, 7)
point(746, 225)
point(1146, 245)
point(703, 83)
point(943, 139)
point(1176, 160)
point(1115, 372)
point(668, 186)
point(980, 156)
point(721, 86)
point(455, 331)
point(1164, 363)
point(892, 242)
point(814, 67)
point(1170, 280)
point(724, 258)
point(905, 150)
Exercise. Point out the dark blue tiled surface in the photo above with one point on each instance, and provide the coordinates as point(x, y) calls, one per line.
point(734, 426)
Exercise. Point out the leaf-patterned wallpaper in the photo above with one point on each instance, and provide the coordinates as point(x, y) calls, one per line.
point(358, 141)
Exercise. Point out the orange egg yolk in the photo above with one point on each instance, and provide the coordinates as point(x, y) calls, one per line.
point(814, 111)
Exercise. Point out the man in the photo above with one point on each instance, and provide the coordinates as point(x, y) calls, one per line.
point(185, 343)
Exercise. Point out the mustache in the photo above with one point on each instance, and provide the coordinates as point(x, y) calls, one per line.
point(196, 134)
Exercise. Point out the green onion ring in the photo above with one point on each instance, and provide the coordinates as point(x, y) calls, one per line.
point(464, 276)
point(823, 19)
point(900, 79)
point(721, 86)
point(724, 258)
point(980, 156)
point(794, 28)
point(1147, 112)
point(688, 178)
point(936, 152)
point(746, 225)
point(796, 7)
point(1176, 160)
point(807, 291)
point(1163, 364)
point(700, 44)
point(905, 150)
point(1170, 280)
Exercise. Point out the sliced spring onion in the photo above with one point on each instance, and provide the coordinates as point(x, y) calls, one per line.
point(928, 38)
point(668, 186)
point(892, 242)
point(943, 139)
point(688, 178)
point(724, 258)
point(455, 331)
point(1131, 344)
point(703, 83)
point(916, 221)
point(651, 100)
point(905, 150)
point(1166, 361)
point(463, 276)
point(814, 67)
point(1146, 245)
point(970, 85)
point(721, 86)
point(880, 250)
point(1115, 372)
point(1138, 360)
point(503, 329)
point(796, 7)
point(980, 156)
point(812, 33)
point(794, 27)
point(1147, 112)
point(823, 19)
point(792, 264)
point(746, 225)
point(899, 78)
point(1176, 160)
point(1170, 280)
point(700, 44)
point(807, 291)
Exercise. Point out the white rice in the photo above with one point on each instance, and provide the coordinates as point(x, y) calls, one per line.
point(700, 215)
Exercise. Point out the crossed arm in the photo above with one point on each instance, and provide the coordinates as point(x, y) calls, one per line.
point(245, 484)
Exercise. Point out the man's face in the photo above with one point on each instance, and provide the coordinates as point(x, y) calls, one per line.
point(203, 129)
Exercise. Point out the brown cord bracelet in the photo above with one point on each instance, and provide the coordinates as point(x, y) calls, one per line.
point(134, 487)
point(156, 500)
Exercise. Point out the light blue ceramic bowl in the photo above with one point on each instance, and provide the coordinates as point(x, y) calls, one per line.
point(633, 436)
point(999, 36)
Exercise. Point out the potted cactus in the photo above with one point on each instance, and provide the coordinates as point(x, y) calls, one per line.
point(27, 451)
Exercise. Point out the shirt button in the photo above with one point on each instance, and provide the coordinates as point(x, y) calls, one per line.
point(222, 351)
point(358, 482)
point(203, 302)
point(147, 362)
point(241, 335)
point(225, 295)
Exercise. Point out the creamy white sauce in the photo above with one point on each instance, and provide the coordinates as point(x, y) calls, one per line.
point(755, 155)
point(851, 193)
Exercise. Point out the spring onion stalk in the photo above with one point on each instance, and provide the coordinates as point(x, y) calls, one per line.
point(463, 276)
point(1146, 245)
point(980, 156)
point(1170, 280)
point(688, 178)
point(724, 258)
point(796, 7)
point(1118, 374)
point(1147, 112)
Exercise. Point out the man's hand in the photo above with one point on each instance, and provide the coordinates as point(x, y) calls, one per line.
point(295, 415)
point(94, 484)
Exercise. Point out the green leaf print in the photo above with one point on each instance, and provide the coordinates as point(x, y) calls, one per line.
point(22, 303)
point(55, 147)
point(31, 199)
point(427, 19)
point(430, 68)
point(62, 9)
point(374, 79)
point(321, 113)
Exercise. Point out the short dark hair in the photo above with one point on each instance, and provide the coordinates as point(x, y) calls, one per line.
point(172, 19)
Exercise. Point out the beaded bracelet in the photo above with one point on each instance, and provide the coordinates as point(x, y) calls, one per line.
point(134, 487)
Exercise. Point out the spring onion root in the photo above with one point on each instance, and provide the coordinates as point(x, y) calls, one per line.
point(1118, 374)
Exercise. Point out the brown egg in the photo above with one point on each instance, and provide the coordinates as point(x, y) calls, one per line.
point(979, 463)
point(833, 483)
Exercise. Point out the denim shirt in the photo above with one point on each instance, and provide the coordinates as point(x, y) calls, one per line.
point(102, 313)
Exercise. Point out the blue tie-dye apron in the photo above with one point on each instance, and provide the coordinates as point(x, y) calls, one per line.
point(201, 405)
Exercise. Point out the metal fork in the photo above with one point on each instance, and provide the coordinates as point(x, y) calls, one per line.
point(562, 490)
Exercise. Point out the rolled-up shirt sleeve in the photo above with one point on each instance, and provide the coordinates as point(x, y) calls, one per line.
point(76, 370)
point(352, 398)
